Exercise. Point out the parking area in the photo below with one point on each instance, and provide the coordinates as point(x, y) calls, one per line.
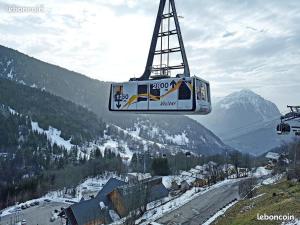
point(36, 215)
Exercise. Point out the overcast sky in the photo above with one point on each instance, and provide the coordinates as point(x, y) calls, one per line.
point(234, 44)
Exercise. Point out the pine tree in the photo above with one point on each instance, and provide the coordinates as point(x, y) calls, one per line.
point(160, 167)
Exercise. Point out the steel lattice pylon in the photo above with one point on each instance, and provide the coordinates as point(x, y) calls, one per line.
point(160, 34)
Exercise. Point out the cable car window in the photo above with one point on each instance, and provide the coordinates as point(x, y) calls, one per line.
point(118, 92)
point(142, 93)
point(184, 92)
point(198, 89)
point(203, 92)
point(208, 92)
point(154, 93)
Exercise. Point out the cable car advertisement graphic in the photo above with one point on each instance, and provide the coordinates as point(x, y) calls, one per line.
point(164, 94)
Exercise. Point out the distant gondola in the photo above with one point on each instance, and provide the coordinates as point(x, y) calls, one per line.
point(289, 122)
point(188, 154)
point(283, 128)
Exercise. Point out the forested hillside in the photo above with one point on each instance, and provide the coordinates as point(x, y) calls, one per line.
point(75, 122)
point(31, 165)
point(93, 95)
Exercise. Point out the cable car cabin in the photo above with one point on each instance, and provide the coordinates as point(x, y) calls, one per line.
point(189, 95)
point(290, 122)
point(283, 129)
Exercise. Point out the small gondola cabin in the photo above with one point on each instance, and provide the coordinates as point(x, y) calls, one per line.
point(188, 95)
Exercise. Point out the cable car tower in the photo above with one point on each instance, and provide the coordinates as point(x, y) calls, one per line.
point(157, 91)
point(164, 32)
point(290, 122)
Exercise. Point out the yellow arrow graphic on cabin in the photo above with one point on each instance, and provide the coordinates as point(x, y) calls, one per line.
point(134, 98)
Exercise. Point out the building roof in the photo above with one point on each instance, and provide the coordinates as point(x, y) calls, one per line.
point(109, 187)
point(199, 168)
point(158, 192)
point(195, 171)
point(137, 195)
point(90, 210)
point(272, 155)
point(140, 176)
point(185, 173)
point(212, 163)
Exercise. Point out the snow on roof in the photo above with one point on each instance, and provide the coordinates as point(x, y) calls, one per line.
point(140, 176)
point(102, 205)
point(272, 155)
point(199, 168)
point(200, 176)
point(194, 171)
point(185, 173)
point(212, 163)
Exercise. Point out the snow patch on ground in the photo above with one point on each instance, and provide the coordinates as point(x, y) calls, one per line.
point(10, 74)
point(12, 111)
point(89, 185)
point(22, 82)
point(226, 106)
point(258, 196)
point(114, 215)
point(33, 86)
point(294, 222)
point(220, 213)
point(179, 139)
point(262, 171)
point(118, 147)
point(53, 135)
point(272, 180)
point(134, 135)
point(9, 62)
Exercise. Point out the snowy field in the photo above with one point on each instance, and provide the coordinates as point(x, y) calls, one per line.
point(91, 185)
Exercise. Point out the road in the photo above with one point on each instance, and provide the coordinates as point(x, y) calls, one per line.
point(36, 215)
point(203, 207)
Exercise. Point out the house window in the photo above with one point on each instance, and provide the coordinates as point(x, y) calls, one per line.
point(203, 92)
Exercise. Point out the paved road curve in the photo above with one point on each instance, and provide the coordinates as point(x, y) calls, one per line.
point(203, 207)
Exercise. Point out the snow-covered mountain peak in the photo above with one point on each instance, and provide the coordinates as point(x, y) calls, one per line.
point(244, 95)
point(249, 101)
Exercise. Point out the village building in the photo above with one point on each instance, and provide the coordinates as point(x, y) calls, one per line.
point(95, 210)
point(114, 201)
point(131, 197)
point(273, 156)
point(137, 177)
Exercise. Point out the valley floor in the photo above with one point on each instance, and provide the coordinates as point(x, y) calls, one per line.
point(204, 206)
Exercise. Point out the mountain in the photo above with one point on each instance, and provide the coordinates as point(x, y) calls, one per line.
point(177, 131)
point(245, 121)
point(75, 122)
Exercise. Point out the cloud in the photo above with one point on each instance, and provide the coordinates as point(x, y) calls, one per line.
point(233, 44)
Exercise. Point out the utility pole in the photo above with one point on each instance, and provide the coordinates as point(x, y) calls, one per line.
point(295, 158)
point(226, 161)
